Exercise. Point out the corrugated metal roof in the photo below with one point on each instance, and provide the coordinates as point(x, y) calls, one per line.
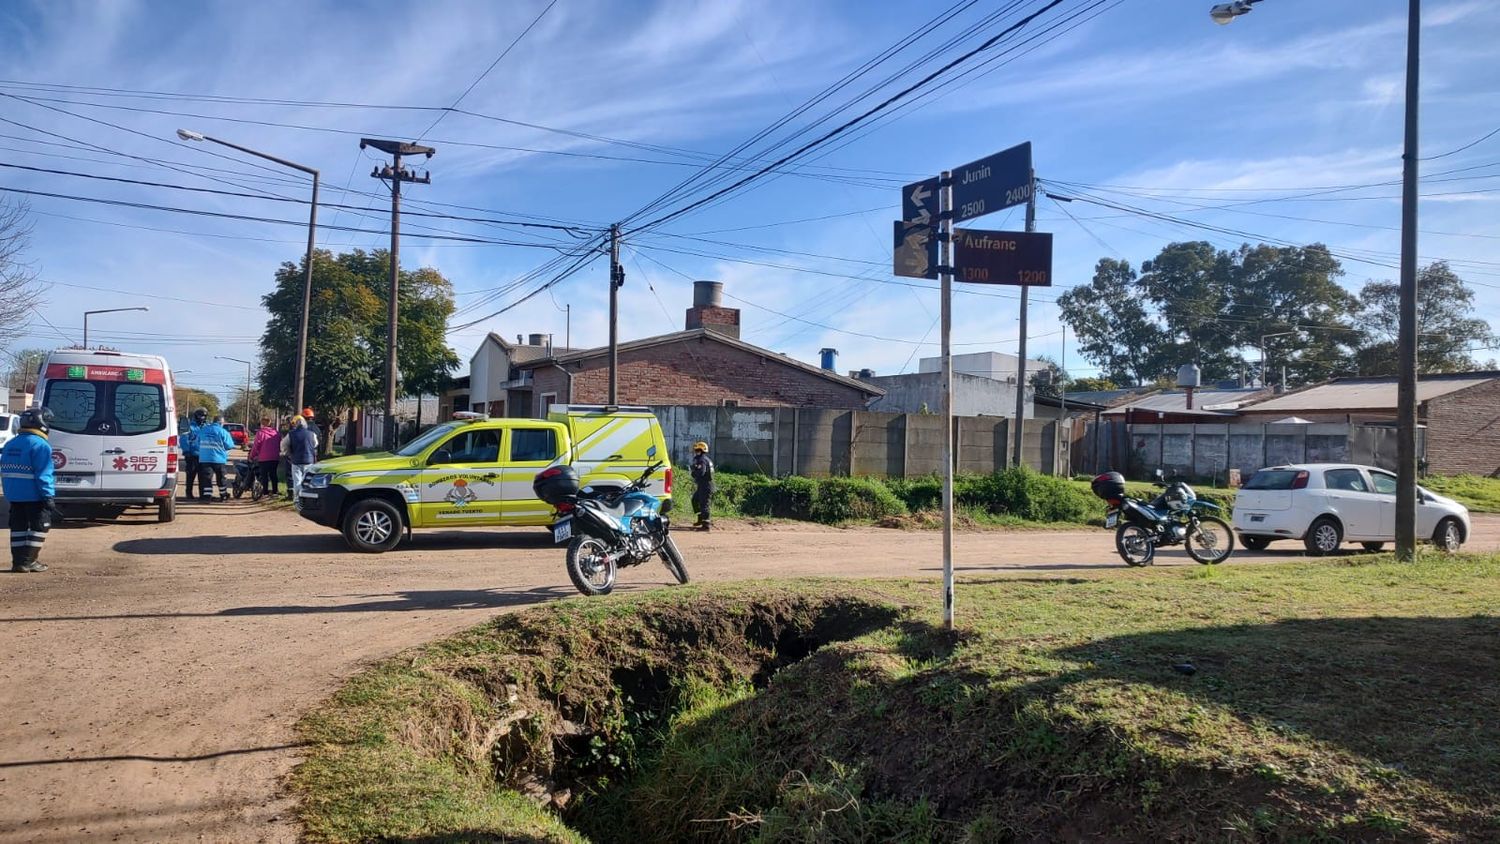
point(1365, 394)
point(1175, 401)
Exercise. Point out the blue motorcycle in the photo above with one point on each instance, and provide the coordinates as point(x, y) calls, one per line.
point(608, 528)
point(1175, 517)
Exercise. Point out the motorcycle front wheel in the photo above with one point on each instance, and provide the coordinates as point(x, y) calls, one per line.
point(590, 566)
point(1136, 545)
point(1210, 541)
point(672, 558)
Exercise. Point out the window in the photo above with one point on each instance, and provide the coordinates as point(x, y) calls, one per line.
point(140, 408)
point(4, 423)
point(72, 404)
point(532, 444)
point(548, 399)
point(432, 435)
point(1384, 484)
point(472, 447)
point(1347, 480)
point(1272, 479)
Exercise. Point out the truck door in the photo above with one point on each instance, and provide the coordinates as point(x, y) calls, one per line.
point(461, 483)
point(530, 449)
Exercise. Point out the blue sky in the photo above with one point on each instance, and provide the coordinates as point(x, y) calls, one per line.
point(1150, 97)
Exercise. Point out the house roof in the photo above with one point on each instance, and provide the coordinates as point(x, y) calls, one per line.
point(1368, 393)
point(1207, 402)
point(1108, 398)
point(706, 334)
point(521, 353)
point(1072, 403)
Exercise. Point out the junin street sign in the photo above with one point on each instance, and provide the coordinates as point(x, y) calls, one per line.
point(916, 250)
point(993, 183)
point(1001, 257)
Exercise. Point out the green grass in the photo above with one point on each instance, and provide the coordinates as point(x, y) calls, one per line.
point(1479, 494)
point(1330, 702)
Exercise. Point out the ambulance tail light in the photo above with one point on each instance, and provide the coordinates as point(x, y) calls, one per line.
point(172, 455)
point(667, 487)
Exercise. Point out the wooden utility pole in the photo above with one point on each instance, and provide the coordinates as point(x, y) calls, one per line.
point(396, 174)
point(616, 281)
point(1021, 350)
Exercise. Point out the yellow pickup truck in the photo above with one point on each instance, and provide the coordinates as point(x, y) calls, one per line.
point(477, 472)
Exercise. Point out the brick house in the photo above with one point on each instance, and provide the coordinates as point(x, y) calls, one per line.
point(699, 366)
point(1461, 413)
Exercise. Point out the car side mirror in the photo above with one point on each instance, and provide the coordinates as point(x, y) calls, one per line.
point(440, 457)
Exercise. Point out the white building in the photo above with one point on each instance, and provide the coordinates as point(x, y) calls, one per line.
point(997, 366)
point(496, 386)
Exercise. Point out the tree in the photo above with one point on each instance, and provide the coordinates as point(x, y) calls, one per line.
point(22, 368)
point(1114, 330)
point(1091, 385)
point(347, 332)
point(235, 412)
point(1192, 287)
point(189, 399)
point(1293, 291)
point(1051, 381)
point(1447, 333)
point(19, 288)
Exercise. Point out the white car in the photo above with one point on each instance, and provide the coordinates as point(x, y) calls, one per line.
point(1328, 504)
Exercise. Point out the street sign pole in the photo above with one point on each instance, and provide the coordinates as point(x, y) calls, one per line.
point(1021, 351)
point(945, 226)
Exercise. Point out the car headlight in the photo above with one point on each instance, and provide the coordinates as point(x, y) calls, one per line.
point(318, 481)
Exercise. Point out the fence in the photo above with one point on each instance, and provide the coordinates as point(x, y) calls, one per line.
point(801, 441)
point(1210, 451)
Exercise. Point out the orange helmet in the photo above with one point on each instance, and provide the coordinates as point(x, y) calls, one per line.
point(307, 413)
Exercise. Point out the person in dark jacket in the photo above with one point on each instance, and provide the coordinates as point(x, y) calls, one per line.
point(302, 452)
point(703, 479)
point(26, 479)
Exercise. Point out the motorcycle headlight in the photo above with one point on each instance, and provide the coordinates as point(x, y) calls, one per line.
point(318, 481)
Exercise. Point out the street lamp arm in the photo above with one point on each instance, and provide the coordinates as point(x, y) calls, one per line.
point(195, 136)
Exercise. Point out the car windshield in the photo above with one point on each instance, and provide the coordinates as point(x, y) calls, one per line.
point(430, 436)
point(1272, 479)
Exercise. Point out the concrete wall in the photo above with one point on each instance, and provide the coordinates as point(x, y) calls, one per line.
point(972, 395)
point(820, 442)
point(1210, 451)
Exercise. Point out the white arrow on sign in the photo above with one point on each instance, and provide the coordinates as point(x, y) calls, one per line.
point(919, 196)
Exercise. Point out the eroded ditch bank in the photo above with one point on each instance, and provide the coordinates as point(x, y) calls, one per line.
point(835, 712)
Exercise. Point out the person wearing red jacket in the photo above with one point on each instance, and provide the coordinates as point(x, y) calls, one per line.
point(265, 453)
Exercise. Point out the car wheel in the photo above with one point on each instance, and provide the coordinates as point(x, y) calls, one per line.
point(1255, 543)
point(1449, 535)
point(166, 511)
point(1373, 547)
point(372, 526)
point(1324, 536)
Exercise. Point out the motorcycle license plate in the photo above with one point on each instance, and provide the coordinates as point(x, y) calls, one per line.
point(1111, 520)
point(562, 531)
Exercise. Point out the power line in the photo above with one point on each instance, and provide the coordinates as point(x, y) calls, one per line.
point(1476, 142)
point(475, 83)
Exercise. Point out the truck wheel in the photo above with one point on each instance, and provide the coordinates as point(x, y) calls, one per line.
point(673, 560)
point(372, 526)
point(166, 510)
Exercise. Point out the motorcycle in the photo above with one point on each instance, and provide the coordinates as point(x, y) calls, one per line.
point(1176, 516)
point(247, 479)
point(608, 528)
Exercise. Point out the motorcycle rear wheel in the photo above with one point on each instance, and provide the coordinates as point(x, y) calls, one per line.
point(1210, 541)
point(672, 558)
point(1135, 545)
point(590, 567)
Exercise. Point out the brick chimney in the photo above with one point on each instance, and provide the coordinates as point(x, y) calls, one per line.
point(708, 310)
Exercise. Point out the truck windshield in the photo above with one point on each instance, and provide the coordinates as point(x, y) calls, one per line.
point(430, 436)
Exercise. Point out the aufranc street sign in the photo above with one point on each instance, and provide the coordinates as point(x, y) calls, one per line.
point(992, 184)
point(1001, 257)
point(916, 252)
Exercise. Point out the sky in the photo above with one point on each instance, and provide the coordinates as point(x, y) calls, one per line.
point(602, 107)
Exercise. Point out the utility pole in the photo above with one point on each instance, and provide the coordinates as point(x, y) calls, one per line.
point(396, 174)
point(616, 281)
point(1021, 352)
point(945, 268)
point(1406, 381)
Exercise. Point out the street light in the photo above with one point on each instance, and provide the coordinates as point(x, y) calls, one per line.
point(103, 311)
point(1406, 341)
point(300, 378)
point(247, 388)
point(1265, 368)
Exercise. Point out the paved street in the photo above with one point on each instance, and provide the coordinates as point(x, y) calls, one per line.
point(152, 678)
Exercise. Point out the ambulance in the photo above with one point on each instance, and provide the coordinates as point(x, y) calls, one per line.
point(475, 471)
point(113, 429)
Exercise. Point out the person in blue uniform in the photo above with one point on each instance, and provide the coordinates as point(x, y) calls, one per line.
point(26, 479)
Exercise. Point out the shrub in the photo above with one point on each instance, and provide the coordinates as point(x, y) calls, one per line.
point(784, 498)
point(924, 493)
point(845, 499)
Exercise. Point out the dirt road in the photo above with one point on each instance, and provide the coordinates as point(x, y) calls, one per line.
point(150, 681)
